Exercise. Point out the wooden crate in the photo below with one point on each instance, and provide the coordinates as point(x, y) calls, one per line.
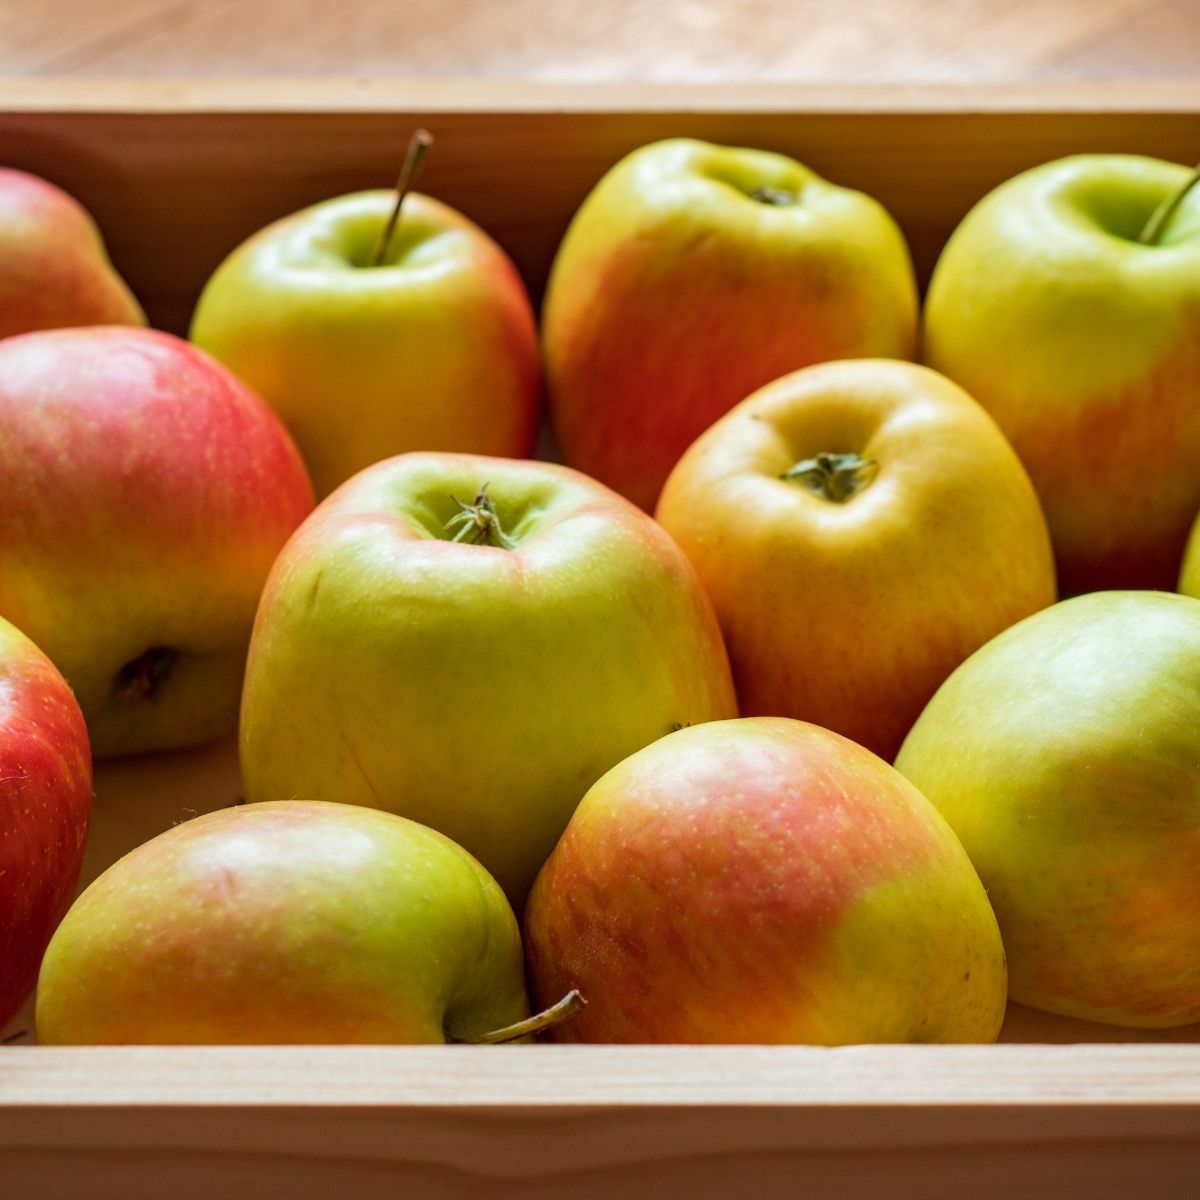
point(177, 174)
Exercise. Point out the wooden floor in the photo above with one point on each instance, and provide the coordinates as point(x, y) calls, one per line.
point(604, 40)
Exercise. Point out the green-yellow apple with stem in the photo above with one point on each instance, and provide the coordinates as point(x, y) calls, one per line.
point(144, 493)
point(370, 341)
point(292, 922)
point(471, 642)
point(861, 527)
point(45, 808)
point(692, 275)
point(1068, 304)
point(1064, 755)
point(764, 880)
point(54, 271)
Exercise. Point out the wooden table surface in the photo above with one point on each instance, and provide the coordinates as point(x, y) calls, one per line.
point(799, 41)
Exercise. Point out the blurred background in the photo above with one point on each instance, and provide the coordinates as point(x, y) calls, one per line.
point(582, 41)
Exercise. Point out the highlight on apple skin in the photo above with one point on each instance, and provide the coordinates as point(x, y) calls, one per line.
point(144, 494)
point(764, 881)
point(1084, 343)
point(472, 642)
point(861, 527)
point(45, 809)
point(434, 349)
point(692, 275)
point(278, 923)
point(1063, 754)
point(54, 270)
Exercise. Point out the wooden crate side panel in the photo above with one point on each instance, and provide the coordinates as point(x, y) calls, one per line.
point(175, 191)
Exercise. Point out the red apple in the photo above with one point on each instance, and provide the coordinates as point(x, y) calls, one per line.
point(54, 271)
point(144, 494)
point(694, 274)
point(45, 803)
point(286, 922)
point(764, 880)
point(434, 348)
point(861, 528)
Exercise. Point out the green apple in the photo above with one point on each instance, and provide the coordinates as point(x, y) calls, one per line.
point(434, 349)
point(1084, 343)
point(1064, 755)
point(764, 880)
point(144, 494)
point(45, 807)
point(694, 274)
point(860, 527)
point(54, 271)
point(472, 642)
point(285, 923)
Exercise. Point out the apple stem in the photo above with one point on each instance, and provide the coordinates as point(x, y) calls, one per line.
point(834, 477)
point(414, 158)
point(478, 523)
point(780, 197)
point(1161, 217)
point(572, 1003)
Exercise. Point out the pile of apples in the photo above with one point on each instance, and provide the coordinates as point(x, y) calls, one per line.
point(470, 686)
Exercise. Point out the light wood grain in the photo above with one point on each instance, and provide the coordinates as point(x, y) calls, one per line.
point(581, 41)
point(599, 1122)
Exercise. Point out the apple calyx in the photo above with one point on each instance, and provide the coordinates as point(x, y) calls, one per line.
point(414, 157)
point(142, 678)
point(1160, 218)
point(572, 1003)
point(834, 477)
point(780, 197)
point(478, 524)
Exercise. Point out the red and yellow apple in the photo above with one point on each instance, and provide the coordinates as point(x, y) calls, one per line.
point(694, 274)
point(861, 527)
point(764, 880)
point(1064, 755)
point(45, 806)
point(54, 271)
point(144, 493)
point(1084, 343)
point(471, 642)
point(434, 349)
point(286, 923)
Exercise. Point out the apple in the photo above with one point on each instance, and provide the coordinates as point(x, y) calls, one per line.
point(45, 805)
point(861, 527)
point(1084, 343)
point(694, 274)
point(1189, 571)
point(144, 493)
point(764, 880)
point(290, 922)
point(54, 271)
point(471, 642)
point(434, 349)
point(1064, 756)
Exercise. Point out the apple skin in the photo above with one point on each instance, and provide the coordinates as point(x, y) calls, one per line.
point(144, 493)
point(279, 923)
point(54, 271)
point(1085, 347)
point(764, 880)
point(850, 614)
point(45, 808)
point(476, 689)
point(675, 294)
point(434, 350)
point(1064, 756)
